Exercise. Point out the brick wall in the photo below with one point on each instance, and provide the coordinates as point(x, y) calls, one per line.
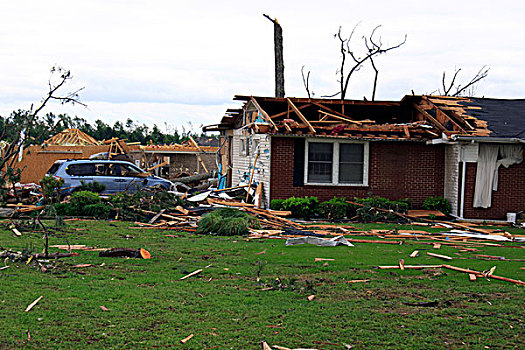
point(396, 170)
point(509, 198)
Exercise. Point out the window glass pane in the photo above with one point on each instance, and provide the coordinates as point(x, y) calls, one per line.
point(351, 162)
point(320, 152)
point(320, 162)
point(350, 173)
point(81, 169)
point(351, 152)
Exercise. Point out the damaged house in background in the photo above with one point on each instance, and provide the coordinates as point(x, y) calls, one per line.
point(168, 161)
point(468, 150)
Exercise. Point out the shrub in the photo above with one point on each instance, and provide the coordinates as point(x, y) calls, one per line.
point(335, 208)
point(95, 187)
point(437, 203)
point(83, 203)
point(276, 204)
point(51, 188)
point(145, 199)
point(368, 212)
point(227, 222)
point(301, 207)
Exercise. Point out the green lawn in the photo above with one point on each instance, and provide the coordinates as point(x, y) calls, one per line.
point(231, 304)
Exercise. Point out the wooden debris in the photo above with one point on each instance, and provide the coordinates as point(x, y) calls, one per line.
point(357, 281)
point(323, 259)
point(401, 264)
point(103, 308)
point(82, 265)
point(145, 254)
point(414, 253)
point(196, 272)
point(265, 346)
point(185, 340)
point(439, 256)
point(471, 277)
point(413, 267)
point(436, 246)
point(311, 297)
point(153, 219)
point(16, 232)
point(30, 306)
point(477, 273)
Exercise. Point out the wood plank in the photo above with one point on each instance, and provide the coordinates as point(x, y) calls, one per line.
point(263, 112)
point(439, 256)
point(340, 118)
point(300, 115)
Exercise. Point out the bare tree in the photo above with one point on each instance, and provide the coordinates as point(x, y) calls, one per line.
point(460, 88)
point(373, 47)
point(16, 129)
point(306, 82)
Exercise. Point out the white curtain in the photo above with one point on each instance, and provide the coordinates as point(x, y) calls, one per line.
point(490, 158)
point(508, 155)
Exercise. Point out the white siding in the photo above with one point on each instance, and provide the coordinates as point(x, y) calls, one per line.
point(242, 164)
point(452, 176)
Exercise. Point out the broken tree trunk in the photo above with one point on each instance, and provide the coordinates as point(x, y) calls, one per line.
point(279, 62)
point(194, 178)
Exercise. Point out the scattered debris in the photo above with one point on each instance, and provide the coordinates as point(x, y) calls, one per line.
point(311, 297)
point(414, 253)
point(439, 256)
point(30, 306)
point(196, 272)
point(125, 253)
point(185, 340)
point(322, 242)
point(103, 308)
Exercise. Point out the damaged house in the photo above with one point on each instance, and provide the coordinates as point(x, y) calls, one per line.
point(469, 150)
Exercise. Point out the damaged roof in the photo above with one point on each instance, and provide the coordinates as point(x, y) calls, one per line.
point(72, 137)
point(414, 118)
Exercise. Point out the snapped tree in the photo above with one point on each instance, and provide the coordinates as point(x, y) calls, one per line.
point(16, 130)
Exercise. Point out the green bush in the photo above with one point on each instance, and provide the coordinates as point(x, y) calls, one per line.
point(276, 204)
point(227, 222)
point(302, 207)
point(51, 188)
point(369, 213)
point(95, 187)
point(144, 199)
point(335, 208)
point(437, 203)
point(83, 203)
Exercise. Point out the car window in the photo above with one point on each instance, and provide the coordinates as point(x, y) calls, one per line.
point(53, 169)
point(81, 169)
point(130, 170)
point(114, 170)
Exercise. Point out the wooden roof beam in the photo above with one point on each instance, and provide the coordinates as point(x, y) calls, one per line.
point(263, 112)
point(300, 115)
point(283, 113)
point(431, 119)
point(340, 118)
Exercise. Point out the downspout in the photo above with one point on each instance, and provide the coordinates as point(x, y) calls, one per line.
point(463, 176)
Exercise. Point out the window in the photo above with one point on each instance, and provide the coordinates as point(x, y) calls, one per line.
point(244, 146)
point(81, 169)
point(336, 163)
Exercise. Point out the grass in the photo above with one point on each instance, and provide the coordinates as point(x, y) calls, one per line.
point(229, 306)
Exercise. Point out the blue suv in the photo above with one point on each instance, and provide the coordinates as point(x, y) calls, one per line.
point(115, 175)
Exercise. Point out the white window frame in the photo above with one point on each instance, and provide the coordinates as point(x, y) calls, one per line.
point(335, 162)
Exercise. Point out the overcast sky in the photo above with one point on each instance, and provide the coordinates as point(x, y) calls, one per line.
point(180, 62)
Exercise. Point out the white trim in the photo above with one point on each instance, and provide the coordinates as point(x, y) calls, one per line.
point(335, 162)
